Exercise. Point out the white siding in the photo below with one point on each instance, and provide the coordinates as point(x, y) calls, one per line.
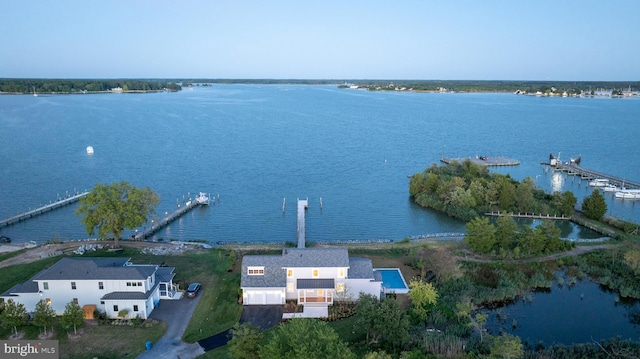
point(355, 286)
point(307, 273)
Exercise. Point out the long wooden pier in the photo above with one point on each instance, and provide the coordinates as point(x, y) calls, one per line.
point(182, 209)
point(303, 204)
point(584, 173)
point(529, 215)
point(38, 211)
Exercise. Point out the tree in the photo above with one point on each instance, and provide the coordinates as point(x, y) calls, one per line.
point(480, 235)
point(245, 341)
point(72, 316)
point(506, 231)
point(112, 208)
point(594, 206)
point(303, 338)
point(507, 346)
point(44, 315)
point(423, 296)
point(383, 323)
point(565, 202)
point(478, 323)
point(524, 196)
point(13, 315)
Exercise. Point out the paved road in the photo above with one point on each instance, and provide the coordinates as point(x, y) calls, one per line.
point(176, 313)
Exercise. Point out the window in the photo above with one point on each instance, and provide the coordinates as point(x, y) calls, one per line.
point(128, 284)
point(289, 287)
point(75, 300)
point(289, 273)
point(316, 272)
point(115, 308)
point(320, 292)
point(340, 287)
point(100, 285)
point(135, 308)
point(139, 284)
point(45, 285)
point(255, 271)
point(73, 285)
point(341, 273)
point(102, 302)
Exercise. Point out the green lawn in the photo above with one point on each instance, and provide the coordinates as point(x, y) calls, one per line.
point(217, 310)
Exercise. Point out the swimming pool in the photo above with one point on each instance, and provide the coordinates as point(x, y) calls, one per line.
point(393, 281)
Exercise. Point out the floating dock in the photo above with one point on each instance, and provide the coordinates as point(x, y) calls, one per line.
point(38, 211)
point(303, 205)
point(483, 160)
point(574, 169)
point(202, 199)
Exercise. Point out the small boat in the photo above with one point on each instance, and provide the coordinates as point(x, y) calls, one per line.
point(89, 150)
point(610, 188)
point(599, 182)
point(202, 198)
point(628, 194)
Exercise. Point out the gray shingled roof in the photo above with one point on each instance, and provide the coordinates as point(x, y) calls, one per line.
point(315, 257)
point(130, 295)
point(26, 287)
point(274, 273)
point(96, 268)
point(165, 274)
point(360, 268)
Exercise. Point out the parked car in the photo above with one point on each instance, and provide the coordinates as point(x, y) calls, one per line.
point(192, 290)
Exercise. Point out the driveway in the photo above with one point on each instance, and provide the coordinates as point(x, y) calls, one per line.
point(176, 313)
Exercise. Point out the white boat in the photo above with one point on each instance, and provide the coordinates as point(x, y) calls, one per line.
point(628, 194)
point(202, 198)
point(89, 150)
point(610, 188)
point(599, 182)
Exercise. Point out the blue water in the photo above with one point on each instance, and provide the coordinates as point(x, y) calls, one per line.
point(257, 145)
point(392, 279)
point(569, 314)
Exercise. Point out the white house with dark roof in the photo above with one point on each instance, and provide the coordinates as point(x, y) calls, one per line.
point(307, 275)
point(106, 284)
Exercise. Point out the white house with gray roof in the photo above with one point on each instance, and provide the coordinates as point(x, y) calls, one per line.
point(106, 284)
point(307, 275)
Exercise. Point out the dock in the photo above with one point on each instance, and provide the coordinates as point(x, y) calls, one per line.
point(529, 215)
point(202, 199)
point(303, 205)
point(38, 211)
point(483, 160)
point(574, 169)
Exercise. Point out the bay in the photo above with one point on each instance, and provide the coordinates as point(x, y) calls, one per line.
point(257, 146)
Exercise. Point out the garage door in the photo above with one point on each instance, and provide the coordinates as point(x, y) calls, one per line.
point(262, 297)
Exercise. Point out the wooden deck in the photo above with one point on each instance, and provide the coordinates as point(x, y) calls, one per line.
point(303, 204)
point(529, 215)
point(38, 211)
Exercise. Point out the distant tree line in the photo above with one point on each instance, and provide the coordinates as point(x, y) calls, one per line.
point(493, 86)
point(68, 86)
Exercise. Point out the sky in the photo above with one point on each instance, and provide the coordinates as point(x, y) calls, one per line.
point(568, 40)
